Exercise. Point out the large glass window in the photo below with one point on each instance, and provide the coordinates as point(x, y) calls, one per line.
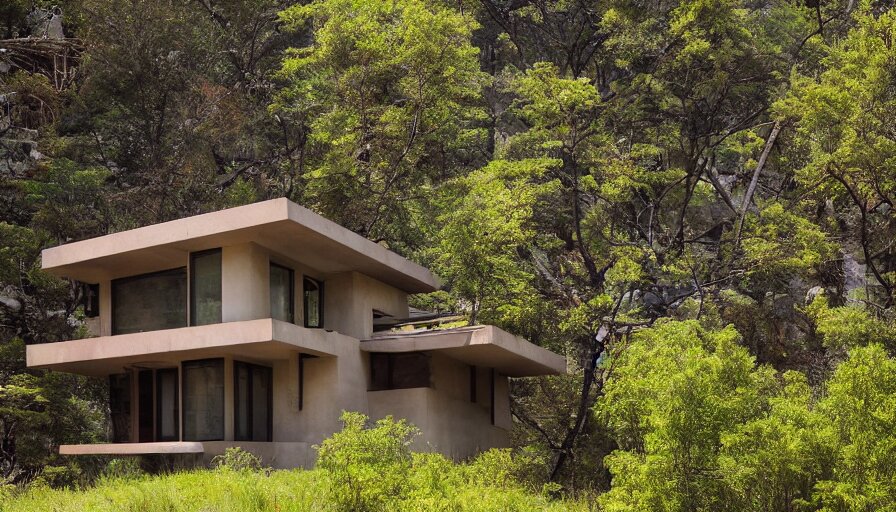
point(205, 287)
point(313, 302)
point(282, 302)
point(253, 394)
point(150, 302)
point(203, 396)
point(399, 371)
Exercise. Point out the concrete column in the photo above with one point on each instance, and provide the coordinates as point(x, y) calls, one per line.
point(245, 287)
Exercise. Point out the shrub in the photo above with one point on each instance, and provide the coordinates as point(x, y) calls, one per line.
point(368, 466)
point(237, 459)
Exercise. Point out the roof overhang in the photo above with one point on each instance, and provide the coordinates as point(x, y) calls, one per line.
point(484, 345)
point(279, 225)
point(258, 340)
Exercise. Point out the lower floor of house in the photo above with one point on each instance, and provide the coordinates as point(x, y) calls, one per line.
point(280, 409)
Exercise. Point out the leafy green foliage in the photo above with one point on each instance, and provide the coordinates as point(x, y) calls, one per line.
point(236, 459)
point(392, 477)
point(700, 426)
point(389, 94)
point(369, 465)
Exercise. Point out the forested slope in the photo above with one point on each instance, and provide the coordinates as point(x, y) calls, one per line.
point(692, 200)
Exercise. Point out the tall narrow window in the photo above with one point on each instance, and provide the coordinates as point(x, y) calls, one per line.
point(282, 301)
point(150, 302)
point(205, 287)
point(313, 302)
point(203, 396)
point(253, 394)
point(145, 432)
point(120, 407)
point(166, 405)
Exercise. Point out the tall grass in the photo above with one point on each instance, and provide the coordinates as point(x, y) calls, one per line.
point(363, 468)
point(283, 490)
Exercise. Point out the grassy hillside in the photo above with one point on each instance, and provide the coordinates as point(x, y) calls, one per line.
point(248, 490)
point(365, 467)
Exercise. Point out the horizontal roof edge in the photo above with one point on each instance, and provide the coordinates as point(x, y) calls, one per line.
point(262, 218)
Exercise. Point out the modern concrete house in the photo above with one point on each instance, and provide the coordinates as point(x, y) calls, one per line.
point(257, 326)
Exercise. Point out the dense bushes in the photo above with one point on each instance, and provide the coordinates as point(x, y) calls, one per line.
point(701, 427)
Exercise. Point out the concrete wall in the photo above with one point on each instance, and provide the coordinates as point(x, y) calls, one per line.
point(279, 455)
point(245, 283)
point(449, 421)
point(349, 301)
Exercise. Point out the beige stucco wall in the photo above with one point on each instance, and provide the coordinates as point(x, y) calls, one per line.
point(449, 421)
point(278, 455)
point(245, 283)
point(349, 301)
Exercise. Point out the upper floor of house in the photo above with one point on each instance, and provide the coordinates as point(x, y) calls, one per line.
point(273, 259)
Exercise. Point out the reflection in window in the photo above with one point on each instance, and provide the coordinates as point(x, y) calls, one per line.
point(150, 302)
point(282, 305)
point(205, 287)
point(252, 402)
point(313, 299)
point(203, 395)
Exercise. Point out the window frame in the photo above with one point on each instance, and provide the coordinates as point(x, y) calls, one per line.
point(191, 286)
point(250, 405)
point(320, 305)
point(292, 291)
point(123, 280)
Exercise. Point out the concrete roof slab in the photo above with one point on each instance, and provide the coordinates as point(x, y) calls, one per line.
point(278, 224)
point(260, 340)
point(483, 345)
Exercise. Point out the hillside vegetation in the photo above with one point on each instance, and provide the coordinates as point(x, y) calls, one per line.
point(362, 468)
point(692, 200)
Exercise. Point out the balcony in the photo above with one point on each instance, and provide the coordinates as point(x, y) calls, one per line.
point(264, 339)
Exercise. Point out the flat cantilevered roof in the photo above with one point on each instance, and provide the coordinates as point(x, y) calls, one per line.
point(279, 225)
point(480, 345)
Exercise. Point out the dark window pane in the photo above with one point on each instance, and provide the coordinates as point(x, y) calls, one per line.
point(167, 410)
point(261, 406)
point(313, 300)
point(91, 300)
point(399, 371)
point(144, 406)
point(205, 288)
point(241, 394)
point(203, 396)
point(252, 402)
point(120, 407)
point(282, 304)
point(150, 302)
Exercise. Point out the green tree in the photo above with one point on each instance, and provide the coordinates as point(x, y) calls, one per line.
point(488, 220)
point(388, 98)
point(844, 125)
point(861, 407)
point(672, 395)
